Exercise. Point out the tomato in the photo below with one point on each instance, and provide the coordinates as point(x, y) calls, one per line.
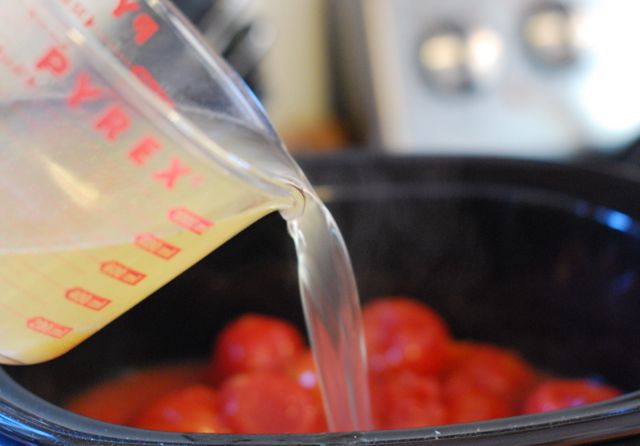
point(268, 402)
point(458, 352)
point(465, 405)
point(404, 334)
point(254, 342)
point(564, 393)
point(118, 400)
point(496, 370)
point(406, 400)
point(191, 409)
point(303, 371)
point(267, 383)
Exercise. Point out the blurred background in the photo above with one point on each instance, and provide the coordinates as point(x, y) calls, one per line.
point(526, 78)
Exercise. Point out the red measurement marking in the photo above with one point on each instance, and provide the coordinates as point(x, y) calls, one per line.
point(156, 246)
point(42, 24)
point(113, 122)
point(43, 325)
point(54, 60)
point(83, 90)
point(125, 6)
point(189, 220)
point(79, 10)
point(143, 150)
point(147, 78)
point(170, 175)
point(123, 273)
point(145, 28)
point(86, 298)
point(16, 68)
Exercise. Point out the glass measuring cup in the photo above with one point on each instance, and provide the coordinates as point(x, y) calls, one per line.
point(111, 189)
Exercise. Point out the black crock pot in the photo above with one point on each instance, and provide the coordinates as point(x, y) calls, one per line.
point(540, 257)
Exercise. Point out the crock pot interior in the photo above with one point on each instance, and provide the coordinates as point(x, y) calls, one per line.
point(509, 253)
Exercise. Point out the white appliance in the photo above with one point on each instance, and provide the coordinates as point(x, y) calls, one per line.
point(531, 78)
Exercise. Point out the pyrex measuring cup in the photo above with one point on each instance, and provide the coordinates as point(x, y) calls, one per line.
point(124, 148)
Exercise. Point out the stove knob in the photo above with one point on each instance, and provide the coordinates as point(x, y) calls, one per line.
point(552, 34)
point(456, 60)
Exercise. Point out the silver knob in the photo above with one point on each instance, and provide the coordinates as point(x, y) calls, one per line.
point(552, 34)
point(459, 60)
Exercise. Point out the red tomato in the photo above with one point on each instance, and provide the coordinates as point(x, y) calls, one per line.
point(303, 371)
point(268, 402)
point(192, 409)
point(458, 352)
point(404, 334)
point(406, 400)
point(475, 404)
point(118, 400)
point(254, 342)
point(496, 370)
point(564, 393)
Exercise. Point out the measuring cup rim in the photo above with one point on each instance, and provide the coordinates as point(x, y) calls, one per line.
point(153, 107)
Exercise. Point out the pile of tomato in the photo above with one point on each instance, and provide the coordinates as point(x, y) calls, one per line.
point(261, 379)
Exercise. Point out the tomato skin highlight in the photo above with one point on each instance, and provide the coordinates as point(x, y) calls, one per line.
point(254, 342)
point(564, 393)
point(406, 399)
point(268, 402)
point(303, 371)
point(404, 334)
point(191, 409)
